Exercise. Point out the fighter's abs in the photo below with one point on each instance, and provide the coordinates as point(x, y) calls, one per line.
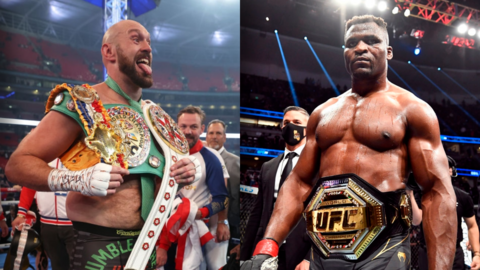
point(120, 210)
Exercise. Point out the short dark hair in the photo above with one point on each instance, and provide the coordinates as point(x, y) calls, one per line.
point(296, 108)
point(193, 110)
point(218, 121)
point(366, 19)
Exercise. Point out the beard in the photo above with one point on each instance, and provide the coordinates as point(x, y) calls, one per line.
point(215, 145)
point(128, 68)
point(193, 138)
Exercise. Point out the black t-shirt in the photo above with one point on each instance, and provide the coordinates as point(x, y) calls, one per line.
point(464, 209)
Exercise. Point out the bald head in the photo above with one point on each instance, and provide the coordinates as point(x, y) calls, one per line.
point(119, 29)
point(126, 53)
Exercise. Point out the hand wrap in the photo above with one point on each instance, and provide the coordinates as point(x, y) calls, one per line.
point(92, 181)
point(264, 256)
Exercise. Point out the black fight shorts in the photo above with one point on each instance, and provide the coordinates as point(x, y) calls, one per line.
point(101, 248)
point(393, 254)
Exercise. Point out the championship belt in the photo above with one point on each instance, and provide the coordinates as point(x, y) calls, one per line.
point(175, 147)
point(345, 214)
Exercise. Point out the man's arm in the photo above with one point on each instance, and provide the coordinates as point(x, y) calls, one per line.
point(473, 235)
point(223, 231)
point(51, 138)
point(26, 199)
point(417, 212)
point(430, 168)
point(216, 185)
point(297, 186)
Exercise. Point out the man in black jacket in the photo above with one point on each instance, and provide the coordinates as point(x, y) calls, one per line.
point(296, 246)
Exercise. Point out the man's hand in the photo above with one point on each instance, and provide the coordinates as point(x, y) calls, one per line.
point(99, 180)
point(236, 250)
point(4, 227)
point(475, 263)
point(223, 233)
point(161, 257)
point(264, 256)
point(186, 170)
point(17, 223)
point(304, 265)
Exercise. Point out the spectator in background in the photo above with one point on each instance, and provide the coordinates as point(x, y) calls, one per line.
point(273, 173)
point(216, 138)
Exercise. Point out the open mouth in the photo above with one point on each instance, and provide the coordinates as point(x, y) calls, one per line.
point(144, 64)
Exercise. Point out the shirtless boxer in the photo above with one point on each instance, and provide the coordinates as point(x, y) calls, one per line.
point(109, 200)
point(379, 132)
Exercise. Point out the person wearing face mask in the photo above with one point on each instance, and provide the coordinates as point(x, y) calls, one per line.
point(272, 175)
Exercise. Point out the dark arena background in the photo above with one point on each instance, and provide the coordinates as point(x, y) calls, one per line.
point(292, 55)
point(196, 59)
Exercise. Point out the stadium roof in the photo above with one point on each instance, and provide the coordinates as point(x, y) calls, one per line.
point(188, 31)
point(322, 21)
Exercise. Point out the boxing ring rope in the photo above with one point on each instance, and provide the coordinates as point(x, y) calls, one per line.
point(7, 212)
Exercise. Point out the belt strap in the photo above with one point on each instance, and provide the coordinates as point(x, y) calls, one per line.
point(147, 183)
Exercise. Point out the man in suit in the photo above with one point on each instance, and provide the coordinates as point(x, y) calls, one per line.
point(294, 250)
point(216, 138)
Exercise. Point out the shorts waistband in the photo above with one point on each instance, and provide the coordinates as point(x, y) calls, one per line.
point(105, 231)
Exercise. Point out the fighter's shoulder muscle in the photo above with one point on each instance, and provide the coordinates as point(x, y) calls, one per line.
point(317, 112)
point(52, 137)
point(420, 117)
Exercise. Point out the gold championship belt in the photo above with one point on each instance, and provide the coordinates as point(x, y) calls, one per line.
point(174, 146)
point(131, 128)
point(345, 214)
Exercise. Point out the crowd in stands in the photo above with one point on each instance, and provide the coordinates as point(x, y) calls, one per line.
point(36, 56)
point(258, 92)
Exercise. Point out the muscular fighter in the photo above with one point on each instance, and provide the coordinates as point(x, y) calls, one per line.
point(106, 204)
point(379, 132)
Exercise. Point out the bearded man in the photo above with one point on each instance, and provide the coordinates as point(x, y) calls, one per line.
point(100, 135)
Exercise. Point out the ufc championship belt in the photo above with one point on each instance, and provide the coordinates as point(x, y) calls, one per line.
point(345, 214)
point(175, 147)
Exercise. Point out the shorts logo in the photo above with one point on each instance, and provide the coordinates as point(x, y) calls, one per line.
point(128, 233)
point(402, 257)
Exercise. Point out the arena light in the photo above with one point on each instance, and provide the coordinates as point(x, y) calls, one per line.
point(439, 69)
point(305, 38)
point(409, 62)
point(462, 28)
point(355, 2)
point(324, 69)
point(472, 31)
point(370, 4)
point(267, 19)
point(418, 48)
point(275, 31)
point(342, 2)
point(395, 10)
point(382, 6)
point(459, 85)
point(290, 83)
point(406, 13)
